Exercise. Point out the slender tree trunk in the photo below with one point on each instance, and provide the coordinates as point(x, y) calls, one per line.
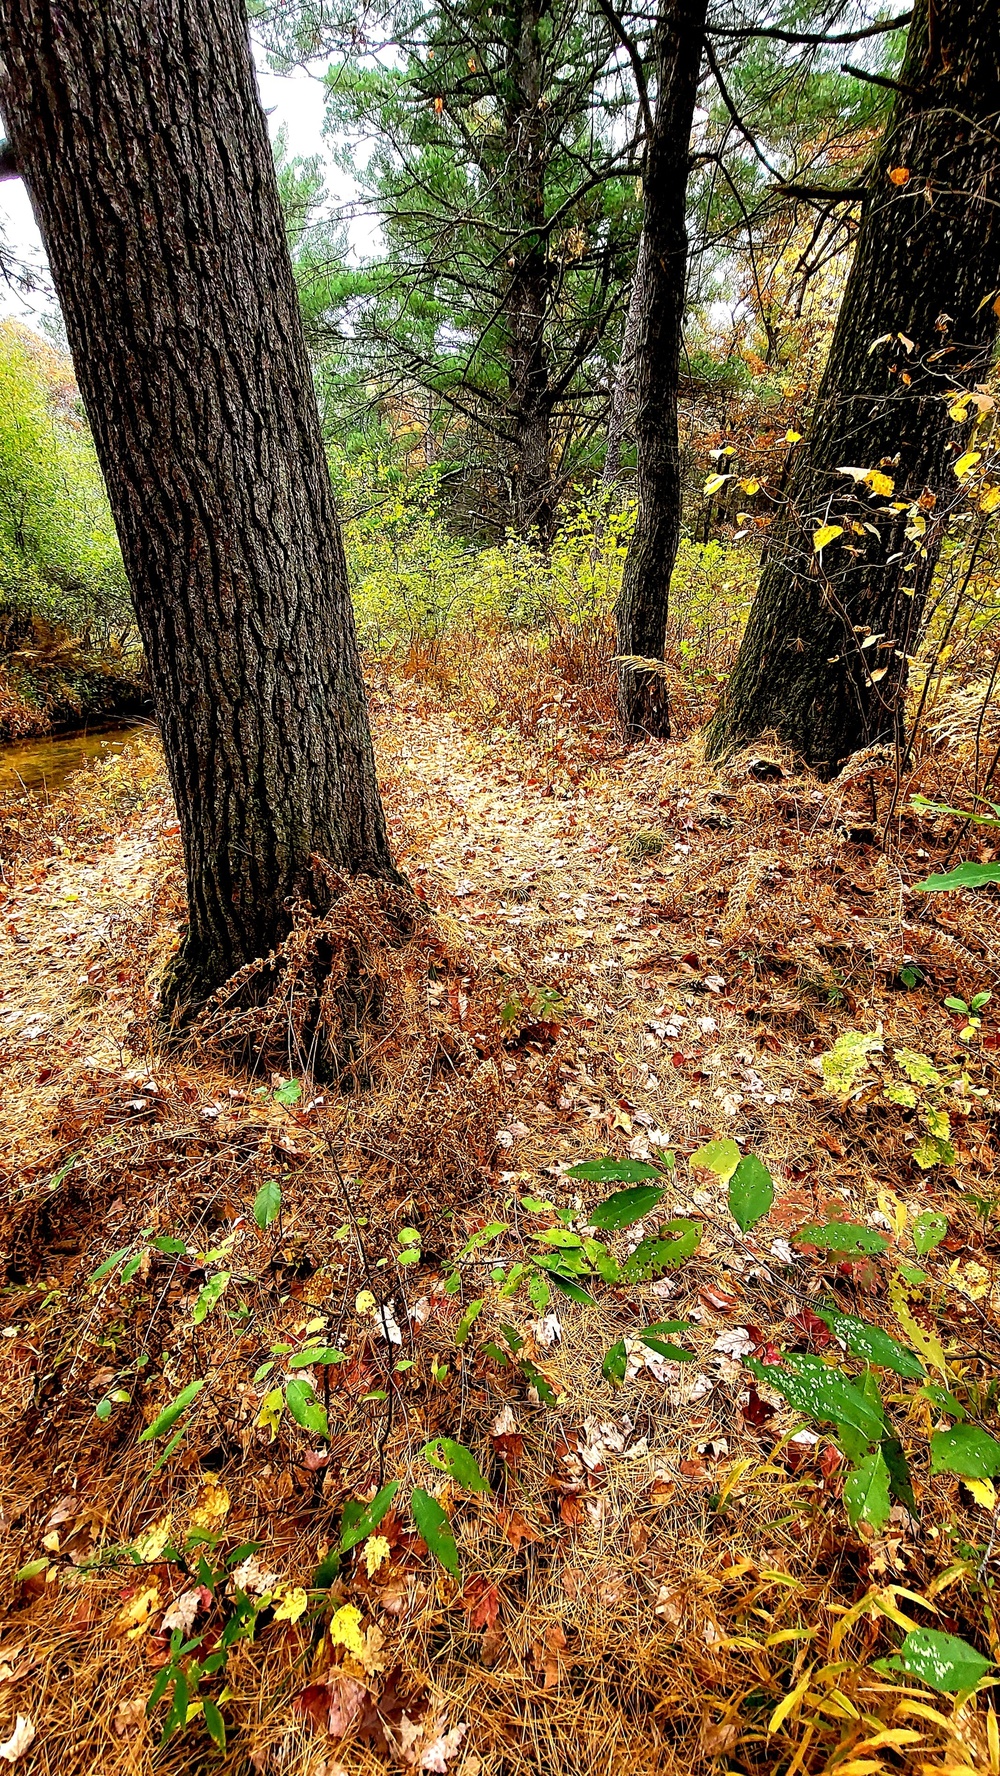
point(139, 132)
point(642, 606)
point(529, 399)
point(623, 393)
point(918, 321)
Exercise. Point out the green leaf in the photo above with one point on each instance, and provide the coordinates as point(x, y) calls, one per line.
point(929, 1229)
point(941, 1660)
point(433, 1525)
point(944, 1400)
point(615, 1363)
point(573, 1290)
point(652, 1256)
point(109, 1264)
point(614, 1171)
point(544, 1389)
point(208, 1296)
point(169, 1245)
point(822, 1393)
point(454, 1459)
point(539, 1293)
point(845, 1062)
point(663, 1347)
point(967, 875)
point(323, 1354)
point(625, 1207)
point(751, 1192)
point(720, 1157)
point(558, 1236)
point(289, 1093)
point(484, 1237)
point(900, 1484)
point(468, 1320)
point(267, 1204)
point(967, 1451)
point(841, 1236)
point(170, 1414)
point(31, 1571)
point(874, 1345)
point(214, 1723)
point(306, 1410)
point(366, 1522)
point(866, 1492)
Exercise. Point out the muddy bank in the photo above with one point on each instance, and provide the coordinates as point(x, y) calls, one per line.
point(52, 683)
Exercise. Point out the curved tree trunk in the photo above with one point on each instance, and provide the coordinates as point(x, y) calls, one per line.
point(138, 129)
point(641, 612)
point(918, 319)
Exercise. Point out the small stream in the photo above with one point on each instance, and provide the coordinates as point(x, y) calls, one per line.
point(40, 766)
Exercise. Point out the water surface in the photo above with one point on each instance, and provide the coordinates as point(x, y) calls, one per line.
point(40, 766)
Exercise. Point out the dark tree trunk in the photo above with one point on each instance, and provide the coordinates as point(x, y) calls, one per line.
point(529, 398)
point(623, 393)
point(642, 606)
point(918, 319)
point(138, 129)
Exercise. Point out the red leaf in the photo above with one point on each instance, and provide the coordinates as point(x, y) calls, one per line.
point(482, 1600)
point(812, 1328)
point(757, 1411)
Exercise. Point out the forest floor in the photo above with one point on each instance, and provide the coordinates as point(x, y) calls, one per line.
point(631, 954)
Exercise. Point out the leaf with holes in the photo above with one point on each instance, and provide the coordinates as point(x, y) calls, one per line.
point(965, 1450)
point(866, 1492)
point(625, 1207)
point(454, 1459)
point(321, 1355)
point(842, 1237)
point(929, 1229)
point(874, 1345)
point(751, 1192)
point(822, 1393)
point(614, 1171)
point(653, 1256)
point(432, 1522)
point(941, 1660)
point(306, 1410)
point(720, 1157)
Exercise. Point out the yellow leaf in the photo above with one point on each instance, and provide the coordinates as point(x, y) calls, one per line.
point(134, 1616)
point(959, 412)
point(293, 1604)
point(792, 437)
point(983, 1491)
point(928, 1346)
point(899, 176)
point(365, 1304)
point(967, 462)
point(714, 482)
point(269, 1415)
point(790, 1702)
point(990, 500)
point(345, 1630)
point(750, 486)
point(826, 534)
point(377, 1551)
point(879, 483)
point(860, 1767)
point(149, 1546)
point(880, 673)
point(212, 1506)
point(894, 1736)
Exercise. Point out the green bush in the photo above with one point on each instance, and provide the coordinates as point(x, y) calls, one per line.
point(59, 554)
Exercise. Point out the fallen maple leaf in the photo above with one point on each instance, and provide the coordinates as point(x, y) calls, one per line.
point(439, 1755)
point(482, 1600)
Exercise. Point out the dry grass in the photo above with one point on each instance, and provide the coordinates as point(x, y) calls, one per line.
point(656, 1567)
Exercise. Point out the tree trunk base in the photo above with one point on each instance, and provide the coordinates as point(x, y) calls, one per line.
point(643, 703)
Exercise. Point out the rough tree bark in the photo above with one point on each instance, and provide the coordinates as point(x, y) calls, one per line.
point(641, 612)
point(923, 284)
point(623, 393)
point(139, 132)
point(529, 398)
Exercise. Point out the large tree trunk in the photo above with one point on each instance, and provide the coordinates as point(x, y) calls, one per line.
point(529, 397)
point(623, 393)
point(138, 129)
point(918, 319)
point(642, 606)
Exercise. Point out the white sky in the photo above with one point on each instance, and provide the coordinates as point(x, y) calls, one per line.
point(295, 100)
